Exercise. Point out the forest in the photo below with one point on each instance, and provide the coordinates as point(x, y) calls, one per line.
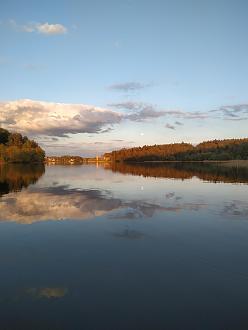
point(15, 148)
point(228, 149)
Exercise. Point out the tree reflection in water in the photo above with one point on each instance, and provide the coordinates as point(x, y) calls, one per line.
point(212, 171)
point(14, 177)
point(77, 195)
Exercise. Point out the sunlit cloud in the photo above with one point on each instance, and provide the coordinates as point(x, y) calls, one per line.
point(42, 28)
point(55, 119)
point(41, 119)
point(51, 28)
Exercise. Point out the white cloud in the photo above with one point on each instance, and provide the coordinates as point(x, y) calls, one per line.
point(55, 119)
point(43, 28)
point(51, 28)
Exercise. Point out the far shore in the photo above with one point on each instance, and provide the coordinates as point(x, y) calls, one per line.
point(234, 162)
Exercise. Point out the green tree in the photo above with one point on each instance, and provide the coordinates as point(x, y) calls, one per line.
point(4, 136)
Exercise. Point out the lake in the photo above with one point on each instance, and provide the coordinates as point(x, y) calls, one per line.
point(159, 246)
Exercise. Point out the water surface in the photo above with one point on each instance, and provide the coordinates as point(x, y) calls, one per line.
point(125, 247)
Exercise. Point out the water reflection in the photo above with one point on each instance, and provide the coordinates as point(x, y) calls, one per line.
point(87, 192)
point(15, 177)
point(236, 208)
point(212, 172)
point(156, 253)
point(48, 293)
point(129, 234)
point(30, 206)
point(55, 204)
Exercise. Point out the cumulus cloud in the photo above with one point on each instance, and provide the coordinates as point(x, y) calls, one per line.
point(130, 86)
point(55, 119)
point(39, 118)
point(51, 28)
point(43, 28)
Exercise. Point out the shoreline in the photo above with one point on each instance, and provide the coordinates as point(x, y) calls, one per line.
point(228, 163)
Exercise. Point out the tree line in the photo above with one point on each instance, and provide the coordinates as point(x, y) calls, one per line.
point(227, 149)
point(16, 148)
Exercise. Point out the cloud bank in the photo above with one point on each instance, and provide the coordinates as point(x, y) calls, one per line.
point(39, 118)
point(55, 119)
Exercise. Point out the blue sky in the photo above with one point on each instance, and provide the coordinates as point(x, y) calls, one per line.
point(84, 77)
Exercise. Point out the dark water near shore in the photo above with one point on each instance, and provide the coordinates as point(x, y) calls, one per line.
point(161, 246)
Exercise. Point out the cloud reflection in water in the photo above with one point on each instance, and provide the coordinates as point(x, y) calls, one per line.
point(74, 193)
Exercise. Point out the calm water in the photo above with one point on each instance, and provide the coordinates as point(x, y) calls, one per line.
point(129, 247)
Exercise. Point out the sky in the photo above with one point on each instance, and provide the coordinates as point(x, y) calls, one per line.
point(87, 77)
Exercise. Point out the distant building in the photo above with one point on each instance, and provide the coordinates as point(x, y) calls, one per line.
point(50, 160)
point(107, 157)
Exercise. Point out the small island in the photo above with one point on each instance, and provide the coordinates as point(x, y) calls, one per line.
point(15, 148)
